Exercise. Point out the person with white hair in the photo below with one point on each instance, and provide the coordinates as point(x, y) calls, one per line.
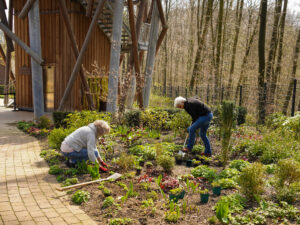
point(81, 144)
point(201, 116)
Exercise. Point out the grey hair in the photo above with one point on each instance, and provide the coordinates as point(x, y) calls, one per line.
point(178, 101)
point(102, 127)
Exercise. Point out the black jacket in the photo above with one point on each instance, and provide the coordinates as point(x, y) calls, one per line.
point(196, 108)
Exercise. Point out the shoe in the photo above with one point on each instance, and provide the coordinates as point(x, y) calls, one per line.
point(70, 164)
point(185, 149)
point(206, 154)
point(104, 164)
point(103, 169)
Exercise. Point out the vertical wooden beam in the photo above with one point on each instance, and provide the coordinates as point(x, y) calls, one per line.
point(8, 58)
point(164, 25)
point(161, 38)
point(89, 8)
point(3, 56)
point(151, 53)
point(135, 52)
point(81, 54)
point(115, 56)
point(26, 9)
point(36, 69)
point(66, 19)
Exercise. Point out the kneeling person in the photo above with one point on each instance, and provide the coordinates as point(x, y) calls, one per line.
point(81, 144)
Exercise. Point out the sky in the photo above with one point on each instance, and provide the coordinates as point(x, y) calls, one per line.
point(294, 5)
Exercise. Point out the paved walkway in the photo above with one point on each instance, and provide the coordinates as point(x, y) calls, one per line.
point(27, 191)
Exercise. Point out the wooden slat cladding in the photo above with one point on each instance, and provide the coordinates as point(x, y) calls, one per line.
point(56, 50)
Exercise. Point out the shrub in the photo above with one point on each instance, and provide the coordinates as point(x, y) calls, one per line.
point(241, 115)
point(238, 164)
point(153, 195)
point(166, 162)
point(227, 119)
point(44, 122)
point(57, 136)
point(293, 124)
point(180, 122)
point(155, 119)
point(106, 191)
point(24, 125)
point(251, 180)
point(80, 196)
point(198, 149)
point(271, 168)
point(83, 118)
point(59, 117)
point(108, 201)
point(227, 183)
point(222, 210)
point(275, 120)
point(120, 221)
point(132, 118)
point(55, 169)
point(82, 167)
point(287, 172)
point(126, 162)
point(204, 171)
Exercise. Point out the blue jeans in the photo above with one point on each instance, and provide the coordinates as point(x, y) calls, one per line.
point(82, 155)
point(203, 123)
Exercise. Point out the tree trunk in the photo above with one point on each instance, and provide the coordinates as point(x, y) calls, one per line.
point(238, 19)
point(165, 50)
point(218, 53)
point(295, 64)
point(201, 43)
point(272, 52)
point(277, 72)
point(261, 56)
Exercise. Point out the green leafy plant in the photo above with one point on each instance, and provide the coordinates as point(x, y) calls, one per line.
point(51, 156)
point(205, 172)
point(94, 171)
point(227, 183)
point(222, 211)
point(120, 221)
point(180, 122)
point(44, 122)
point(251, 180)
point(227, 119)
point(155, 119)
point(229, 173)
point(153, 195)
point(82, 167)
point(176, 191)
point(55, 169)
point(241, 115)
point(173, 215)
point(148, 203)
point(106, 191)
point(71, 172)
point(287, 172)
point(80, 196)
point(238, 164)
point(132, 118)
point(203, 191)
point(57, 135)
point(70, 181)
point(108, 201)
point(122, 185)
point(212, 220)
point(166, 162)
point(130, 193)
point(271, 168)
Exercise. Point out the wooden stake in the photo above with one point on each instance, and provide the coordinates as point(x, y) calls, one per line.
point(26, 9)
point(66, 19)
point(81, 54)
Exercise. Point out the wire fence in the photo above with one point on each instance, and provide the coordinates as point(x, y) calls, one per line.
point(244, 95)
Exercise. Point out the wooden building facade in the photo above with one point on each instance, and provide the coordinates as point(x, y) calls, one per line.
point(55, 41)
point(56, 53)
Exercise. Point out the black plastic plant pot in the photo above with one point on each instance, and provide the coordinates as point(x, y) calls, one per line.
point(138, 172)
point(204, 198)
point(178, 161)
point(189, 163)
point(175, 198)
point(217, 190)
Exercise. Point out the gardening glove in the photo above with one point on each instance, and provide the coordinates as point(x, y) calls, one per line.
point(104, 164)
point(103, 169)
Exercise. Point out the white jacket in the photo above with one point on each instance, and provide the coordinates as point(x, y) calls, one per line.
point(83, 137)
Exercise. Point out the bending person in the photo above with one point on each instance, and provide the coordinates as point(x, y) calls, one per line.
point(81, 144)
point(201, 116)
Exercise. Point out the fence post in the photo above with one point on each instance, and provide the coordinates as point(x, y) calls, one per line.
point(241, 95)
point(207, 94)
point(294, 97)
point(186, 93)
point(222, 94)
point(197, 91)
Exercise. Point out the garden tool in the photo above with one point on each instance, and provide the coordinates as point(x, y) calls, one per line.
point(115, 176)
